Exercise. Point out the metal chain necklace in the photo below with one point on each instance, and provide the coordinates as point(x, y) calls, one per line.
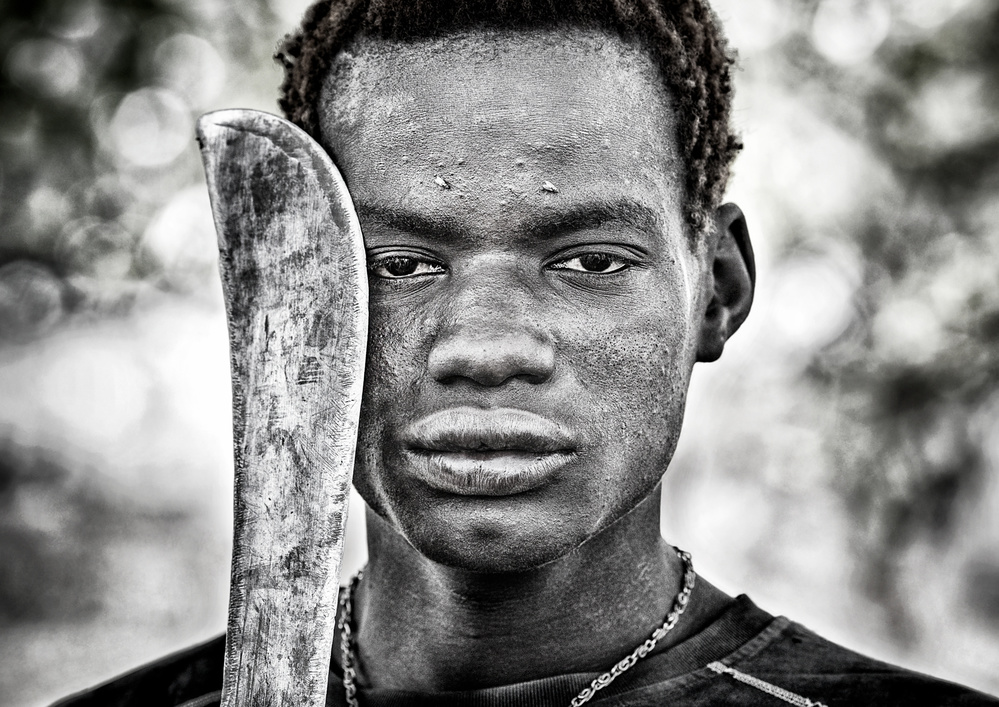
point(348, 652)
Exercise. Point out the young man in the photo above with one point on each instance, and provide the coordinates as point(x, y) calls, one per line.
point(539, 186)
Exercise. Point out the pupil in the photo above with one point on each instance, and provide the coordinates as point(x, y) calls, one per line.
point(400, 267)
point(595, 262)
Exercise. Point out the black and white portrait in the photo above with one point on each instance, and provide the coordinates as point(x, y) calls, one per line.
point(624, 352)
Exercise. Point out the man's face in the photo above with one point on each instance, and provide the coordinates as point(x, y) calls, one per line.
point(534, 297)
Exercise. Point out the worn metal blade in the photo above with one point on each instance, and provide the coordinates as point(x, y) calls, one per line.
point(294, 278)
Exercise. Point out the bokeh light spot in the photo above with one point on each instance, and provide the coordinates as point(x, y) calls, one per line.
point(182, 237)
point(812, 302)
point(48, 208)
point(850, 31)
point(951, 110)
point(290, 12)
point(190, 66)
point(47, 66)
point(929, 14)
point(101, 249)
point(151, 127)
point(98, 393)
point(80, 21)
point(754, 26)
point(908, 330)
point(31, 299)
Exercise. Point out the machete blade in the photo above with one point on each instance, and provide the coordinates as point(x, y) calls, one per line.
point(294, 278)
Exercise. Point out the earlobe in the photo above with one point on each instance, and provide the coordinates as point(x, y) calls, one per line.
point(731, 279)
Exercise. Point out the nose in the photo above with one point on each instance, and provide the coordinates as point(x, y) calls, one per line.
point(491, 357)
point(490, 340)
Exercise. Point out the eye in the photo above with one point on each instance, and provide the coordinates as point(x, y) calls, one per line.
point(595, 263)
point(398, 267)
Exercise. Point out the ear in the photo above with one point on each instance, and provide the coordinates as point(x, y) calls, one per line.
point(731, 279)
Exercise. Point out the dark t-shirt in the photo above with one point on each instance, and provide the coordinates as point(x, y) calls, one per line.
point(766, 655)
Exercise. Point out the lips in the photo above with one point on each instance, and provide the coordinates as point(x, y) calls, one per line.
point(475, 452)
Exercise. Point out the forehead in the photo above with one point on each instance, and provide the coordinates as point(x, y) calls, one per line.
point(496, 114)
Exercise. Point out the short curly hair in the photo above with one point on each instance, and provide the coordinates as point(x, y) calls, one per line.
point(683, 36)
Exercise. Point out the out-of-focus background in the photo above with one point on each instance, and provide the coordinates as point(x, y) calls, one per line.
point(840, 464)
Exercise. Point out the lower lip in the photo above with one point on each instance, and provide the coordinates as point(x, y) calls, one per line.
point(501, 473)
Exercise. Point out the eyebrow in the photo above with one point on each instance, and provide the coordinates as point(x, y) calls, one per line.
point(588, 214)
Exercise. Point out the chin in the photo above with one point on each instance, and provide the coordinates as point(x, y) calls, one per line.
point(470, 557)
point(491, 539)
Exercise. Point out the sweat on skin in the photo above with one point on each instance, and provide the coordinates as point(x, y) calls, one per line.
point(587, 307)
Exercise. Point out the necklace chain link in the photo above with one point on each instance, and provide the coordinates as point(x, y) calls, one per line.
point(647, 646)
point(348, 649)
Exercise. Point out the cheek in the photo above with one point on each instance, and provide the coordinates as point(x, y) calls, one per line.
point(396, 362)
point(638, 351)
point(401, 331)
point(634, 373)
point(395, 353)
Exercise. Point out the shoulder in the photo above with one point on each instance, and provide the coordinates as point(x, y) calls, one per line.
point(191, 677)
point(802, 661)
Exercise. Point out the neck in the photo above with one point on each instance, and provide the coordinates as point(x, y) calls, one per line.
point(425, 627)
